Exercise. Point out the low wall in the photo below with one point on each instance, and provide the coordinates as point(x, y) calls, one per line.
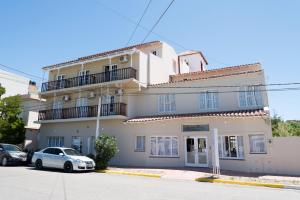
point(285, 155)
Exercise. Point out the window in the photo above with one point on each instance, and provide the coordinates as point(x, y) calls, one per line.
point(57, 151)
point(49, 151)
point(231, 147)
point(257, 143)
point(166, 103)
point(250, 96)
point(55, 141)
point(208, 100)
point(77, 143)
point(140, 143)
point(188, 128)
point(164, 146)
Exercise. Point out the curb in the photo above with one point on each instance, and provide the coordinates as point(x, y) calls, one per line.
point(270, 185)
point(107, 171)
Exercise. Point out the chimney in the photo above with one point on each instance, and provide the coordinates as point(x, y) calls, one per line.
point(32, 88)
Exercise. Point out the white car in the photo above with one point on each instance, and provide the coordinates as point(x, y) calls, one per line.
point(62, 158)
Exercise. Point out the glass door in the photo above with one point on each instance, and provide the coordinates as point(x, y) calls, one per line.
point(196, 152)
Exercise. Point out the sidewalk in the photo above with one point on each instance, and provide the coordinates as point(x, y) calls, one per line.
point(194, 173)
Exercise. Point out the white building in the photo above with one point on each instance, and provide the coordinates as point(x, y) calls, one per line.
point(13, 83)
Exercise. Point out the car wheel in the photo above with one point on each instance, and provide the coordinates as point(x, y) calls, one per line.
point(4, 161)
point(68, 167)
point(39, 164)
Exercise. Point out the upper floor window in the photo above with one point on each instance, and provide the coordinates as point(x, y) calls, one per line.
point(166, 103)
point(250, 96)
point(208, 100)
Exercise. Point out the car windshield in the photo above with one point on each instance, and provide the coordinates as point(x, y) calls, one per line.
point(9, 147)
point(72, 152)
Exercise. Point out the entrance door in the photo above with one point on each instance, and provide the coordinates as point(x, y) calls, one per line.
point(196, 151)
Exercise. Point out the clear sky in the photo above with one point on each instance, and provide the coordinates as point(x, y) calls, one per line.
point(35, 33)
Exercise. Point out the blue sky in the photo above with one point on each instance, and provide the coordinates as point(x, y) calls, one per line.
point(36, 33)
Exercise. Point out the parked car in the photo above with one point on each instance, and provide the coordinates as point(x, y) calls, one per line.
point(11, 155)
point(62, 158)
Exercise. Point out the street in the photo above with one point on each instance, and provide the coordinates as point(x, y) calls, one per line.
point(27, 183)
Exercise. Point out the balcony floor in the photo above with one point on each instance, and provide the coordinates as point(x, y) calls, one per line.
point(110, 117)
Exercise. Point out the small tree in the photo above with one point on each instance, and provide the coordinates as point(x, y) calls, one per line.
point(11, 124)
point(106, 148)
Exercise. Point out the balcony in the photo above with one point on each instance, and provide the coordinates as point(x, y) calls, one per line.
point(83, 112)
point(113, 75)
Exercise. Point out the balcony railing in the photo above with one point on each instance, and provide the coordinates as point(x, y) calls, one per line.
point(84, 111)
point(113, 75)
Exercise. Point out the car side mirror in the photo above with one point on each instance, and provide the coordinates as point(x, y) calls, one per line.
point(61, 154)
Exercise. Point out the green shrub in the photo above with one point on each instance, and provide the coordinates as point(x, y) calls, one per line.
point(106, 148)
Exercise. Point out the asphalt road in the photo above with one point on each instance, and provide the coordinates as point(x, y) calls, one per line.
point(26, 183)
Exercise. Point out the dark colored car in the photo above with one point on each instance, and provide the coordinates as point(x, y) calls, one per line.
point(11, 155)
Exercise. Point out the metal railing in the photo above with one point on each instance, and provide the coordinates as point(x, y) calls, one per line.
point(112, 75)
point(84, 111)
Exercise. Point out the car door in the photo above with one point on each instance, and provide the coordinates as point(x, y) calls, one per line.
point(47, 157)
point(58, 160)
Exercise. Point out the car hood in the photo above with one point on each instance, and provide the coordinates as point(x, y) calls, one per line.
point(82, 158)
point(17, 153)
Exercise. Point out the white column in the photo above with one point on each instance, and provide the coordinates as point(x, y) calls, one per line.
point(98, 118)
point(131, 59)
point(215, 152)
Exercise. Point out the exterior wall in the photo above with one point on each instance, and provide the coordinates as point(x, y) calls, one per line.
point(31, 141)
point(126, 137)
point(13, 84)
point(188, 99)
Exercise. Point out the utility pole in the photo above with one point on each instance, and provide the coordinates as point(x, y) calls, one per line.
point(98, 118)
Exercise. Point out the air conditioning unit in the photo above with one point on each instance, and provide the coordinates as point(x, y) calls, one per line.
point(119, 92)
point(123, 58)
point(66, 97)
point(92, 95)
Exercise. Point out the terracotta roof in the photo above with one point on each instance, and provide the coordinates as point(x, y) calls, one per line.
point(217, 72)
point(238, 113)
point(101, 54)
point(214, 73)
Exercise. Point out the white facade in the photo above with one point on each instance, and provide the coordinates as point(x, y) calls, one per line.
point(13, 84)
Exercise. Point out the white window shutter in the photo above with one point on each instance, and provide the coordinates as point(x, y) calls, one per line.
point(240, 146)
point(215, 99)
point(161, 103)
point(202, 100)
point(173, 102)
point(242, 97)
point(258, 96)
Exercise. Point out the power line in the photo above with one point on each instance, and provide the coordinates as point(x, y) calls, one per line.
point(17, 70)
point(124, 17)
point(48, 105)
point(160, 17)
point(138, 24)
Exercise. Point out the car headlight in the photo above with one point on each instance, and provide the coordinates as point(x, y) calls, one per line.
point(79, 161)
point(15, 155)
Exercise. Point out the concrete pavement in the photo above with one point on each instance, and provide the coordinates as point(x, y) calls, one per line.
point(26, 183)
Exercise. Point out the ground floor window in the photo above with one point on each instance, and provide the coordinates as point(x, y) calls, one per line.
point(231, 147)
point(257, 143)
point(55, 141)
point(77, 143)
point(140, 143)
point(164, 146)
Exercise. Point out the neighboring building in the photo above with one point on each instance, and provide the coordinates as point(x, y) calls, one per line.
point(161, 107)
point(13, 84)
point(31, 104)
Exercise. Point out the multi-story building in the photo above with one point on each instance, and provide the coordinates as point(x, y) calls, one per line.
point(161, 106)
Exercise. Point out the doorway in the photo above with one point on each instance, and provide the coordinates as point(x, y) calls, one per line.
point(196, 153)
